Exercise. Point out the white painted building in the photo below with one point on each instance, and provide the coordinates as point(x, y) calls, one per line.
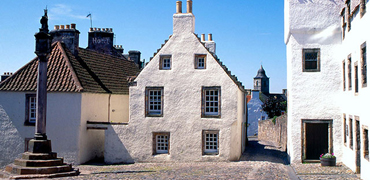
point(84, 88)
point(255, 113)
point(184, 105)
point(327, 81)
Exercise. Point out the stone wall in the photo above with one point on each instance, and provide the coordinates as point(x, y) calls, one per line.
point(268, 131)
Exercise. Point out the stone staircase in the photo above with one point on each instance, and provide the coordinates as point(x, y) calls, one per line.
point(38, 165)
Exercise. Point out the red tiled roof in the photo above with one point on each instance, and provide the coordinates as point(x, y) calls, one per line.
point(90, 71)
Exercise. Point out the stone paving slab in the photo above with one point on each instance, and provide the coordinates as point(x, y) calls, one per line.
point(316, 171)
point(262, 160)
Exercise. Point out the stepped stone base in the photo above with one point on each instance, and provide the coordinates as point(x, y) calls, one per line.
point(39, 163)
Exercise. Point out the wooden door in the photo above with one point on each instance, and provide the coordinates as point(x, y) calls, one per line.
point(317, 140)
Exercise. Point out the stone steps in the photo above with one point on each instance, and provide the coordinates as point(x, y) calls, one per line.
point(21, 170)
point(39, 163)
point(39, 156)
point(33, 176)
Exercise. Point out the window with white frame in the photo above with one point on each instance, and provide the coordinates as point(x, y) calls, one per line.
point(311, 60)
point(365, 131)
point(344, 130)
point(165, 62)
point(30, 116)
point(356, 76)
point(200, 61)
point(154, 101)
point(363, 65)
point(344, 75)
point(349, 69)
point(350, 133)
point(210, 142)
point(161, 142)
point(211, 102)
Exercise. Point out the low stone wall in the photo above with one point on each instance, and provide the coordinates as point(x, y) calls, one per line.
point(268, 131)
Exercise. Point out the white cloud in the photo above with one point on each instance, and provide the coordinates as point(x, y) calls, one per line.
point(61, 11)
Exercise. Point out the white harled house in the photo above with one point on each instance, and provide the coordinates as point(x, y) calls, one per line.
point(327, 81)
point(184, 105)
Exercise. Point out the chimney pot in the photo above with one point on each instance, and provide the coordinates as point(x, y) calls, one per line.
point(94, 28)
point(103, 29)
point(56, 27)
point(68, 26)
point(61, 26)
point(91, 29)
point(111, 29)
point(203, 37)
point(4, 73)
point(120, 46)
point(99, 29)
point(178, 6)
point(189, 6)
point(73, 26)
point(209, 37)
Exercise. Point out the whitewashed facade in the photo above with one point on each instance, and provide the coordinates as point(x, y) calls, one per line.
point(337, 32)
point(179, 75)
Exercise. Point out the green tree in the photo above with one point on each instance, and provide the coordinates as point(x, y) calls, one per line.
point(273, 106)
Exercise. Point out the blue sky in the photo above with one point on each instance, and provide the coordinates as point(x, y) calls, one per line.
point(247, 32)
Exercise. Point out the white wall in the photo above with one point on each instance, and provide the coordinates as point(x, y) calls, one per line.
point(355, 104)
point(255, 113)
point(63, 111)
point(182, 106)
point(312, 95)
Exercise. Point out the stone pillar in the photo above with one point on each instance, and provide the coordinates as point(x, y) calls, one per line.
point(43, 46)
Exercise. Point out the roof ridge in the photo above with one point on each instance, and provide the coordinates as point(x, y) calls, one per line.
point(70, 67)
point(121, 57)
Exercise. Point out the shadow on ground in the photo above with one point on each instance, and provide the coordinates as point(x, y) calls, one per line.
point(264, 151)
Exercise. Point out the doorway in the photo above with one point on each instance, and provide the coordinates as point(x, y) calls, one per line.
point(358, 145)
point(316, 139)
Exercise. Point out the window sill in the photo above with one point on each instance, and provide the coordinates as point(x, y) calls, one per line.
point(211, 116)
point(161, 154)
point(154, 115)
point(29, 123)
point(210, 154)
point(311, 70)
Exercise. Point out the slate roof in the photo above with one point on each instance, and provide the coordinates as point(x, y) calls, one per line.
point(89, 71)
point(261, 73)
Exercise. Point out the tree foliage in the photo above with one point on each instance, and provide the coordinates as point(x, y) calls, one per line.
point(273, 106)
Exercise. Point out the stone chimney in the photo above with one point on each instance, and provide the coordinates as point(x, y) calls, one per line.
point(6, 75)
point(210, 44)
point(101, 40)
point(68, 34)
point(135, 56)
point(183, 22)
point(118, 48)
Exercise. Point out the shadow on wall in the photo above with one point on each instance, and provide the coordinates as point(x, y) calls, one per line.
point(11, 142)
point(115, 152)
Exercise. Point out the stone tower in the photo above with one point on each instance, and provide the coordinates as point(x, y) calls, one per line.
point(261, 81)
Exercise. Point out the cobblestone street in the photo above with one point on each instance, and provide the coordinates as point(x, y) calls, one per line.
point(262, 160)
